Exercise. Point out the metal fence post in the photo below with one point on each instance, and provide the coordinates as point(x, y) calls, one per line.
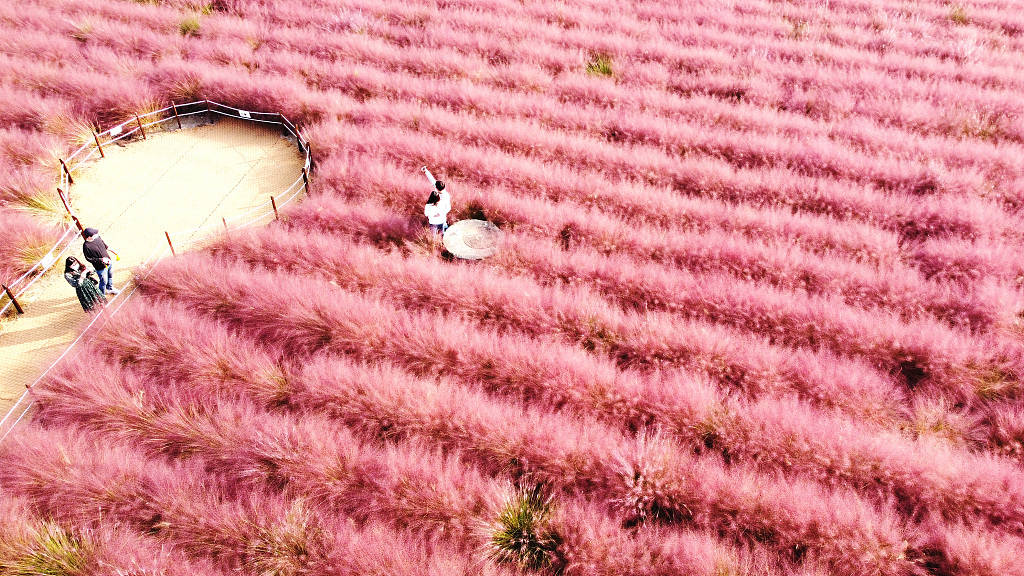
point(274, 204)
point(141, 129)
point(305, 179)
point(17, 306)
point(98, 145)
point(168, 235)
point(176, 118)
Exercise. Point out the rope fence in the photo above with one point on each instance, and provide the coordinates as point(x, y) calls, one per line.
point(261, 213)
point(98, 321)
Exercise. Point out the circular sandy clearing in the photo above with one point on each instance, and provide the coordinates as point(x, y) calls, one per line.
point(182, 182)
point(472, 239)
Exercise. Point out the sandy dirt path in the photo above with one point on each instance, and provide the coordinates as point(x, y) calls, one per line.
point(173, 181)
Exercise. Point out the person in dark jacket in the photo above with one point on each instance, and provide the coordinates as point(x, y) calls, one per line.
point(98, 254)
point(85, 283)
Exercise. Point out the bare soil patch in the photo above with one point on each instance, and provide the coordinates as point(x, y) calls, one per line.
point(172, 181)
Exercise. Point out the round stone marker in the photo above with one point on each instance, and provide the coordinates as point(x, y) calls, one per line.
point(472, 239)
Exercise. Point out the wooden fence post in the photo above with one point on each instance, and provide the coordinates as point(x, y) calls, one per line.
point(66, 171)
point(64, 199)
point(225, 221)
point(176, 118)
point(67, 206)
point(274, 204)
point(98, 145)
point(168, 235)
point(141, 129)
point(17, 306)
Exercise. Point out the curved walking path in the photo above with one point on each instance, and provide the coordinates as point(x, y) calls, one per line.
point(173, 181)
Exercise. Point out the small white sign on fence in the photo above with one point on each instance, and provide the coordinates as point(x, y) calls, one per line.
point(116, 130)
point(244, 114)
point(48, 260)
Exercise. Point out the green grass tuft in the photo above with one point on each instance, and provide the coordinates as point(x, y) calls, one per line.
point(600, 65)
point(51, 552)
point(189, 25)
point(523, 535)
point(958, 15)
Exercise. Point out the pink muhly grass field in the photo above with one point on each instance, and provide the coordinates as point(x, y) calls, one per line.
point(757, 310)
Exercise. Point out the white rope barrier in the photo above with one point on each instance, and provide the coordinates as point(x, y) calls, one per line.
point(11, 411)
point(39, 266)
point(13, 426)
point(40, 263)
point(105, 315)
point(76, 152)
point(89, 156)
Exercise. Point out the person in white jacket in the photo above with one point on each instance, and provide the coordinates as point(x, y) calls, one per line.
point(438, 204)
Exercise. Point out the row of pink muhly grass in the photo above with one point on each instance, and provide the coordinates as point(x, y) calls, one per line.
point(981, 306)
point(791, 321)
point(699, 345)
point(318, 325)
point(511, 303)
point(729, 357)
point(756, 312)
point(258, 530)
point(310, 456)
point(314, 463)
point(835, 449)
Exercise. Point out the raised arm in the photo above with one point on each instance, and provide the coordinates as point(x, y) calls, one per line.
point(430, 177)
